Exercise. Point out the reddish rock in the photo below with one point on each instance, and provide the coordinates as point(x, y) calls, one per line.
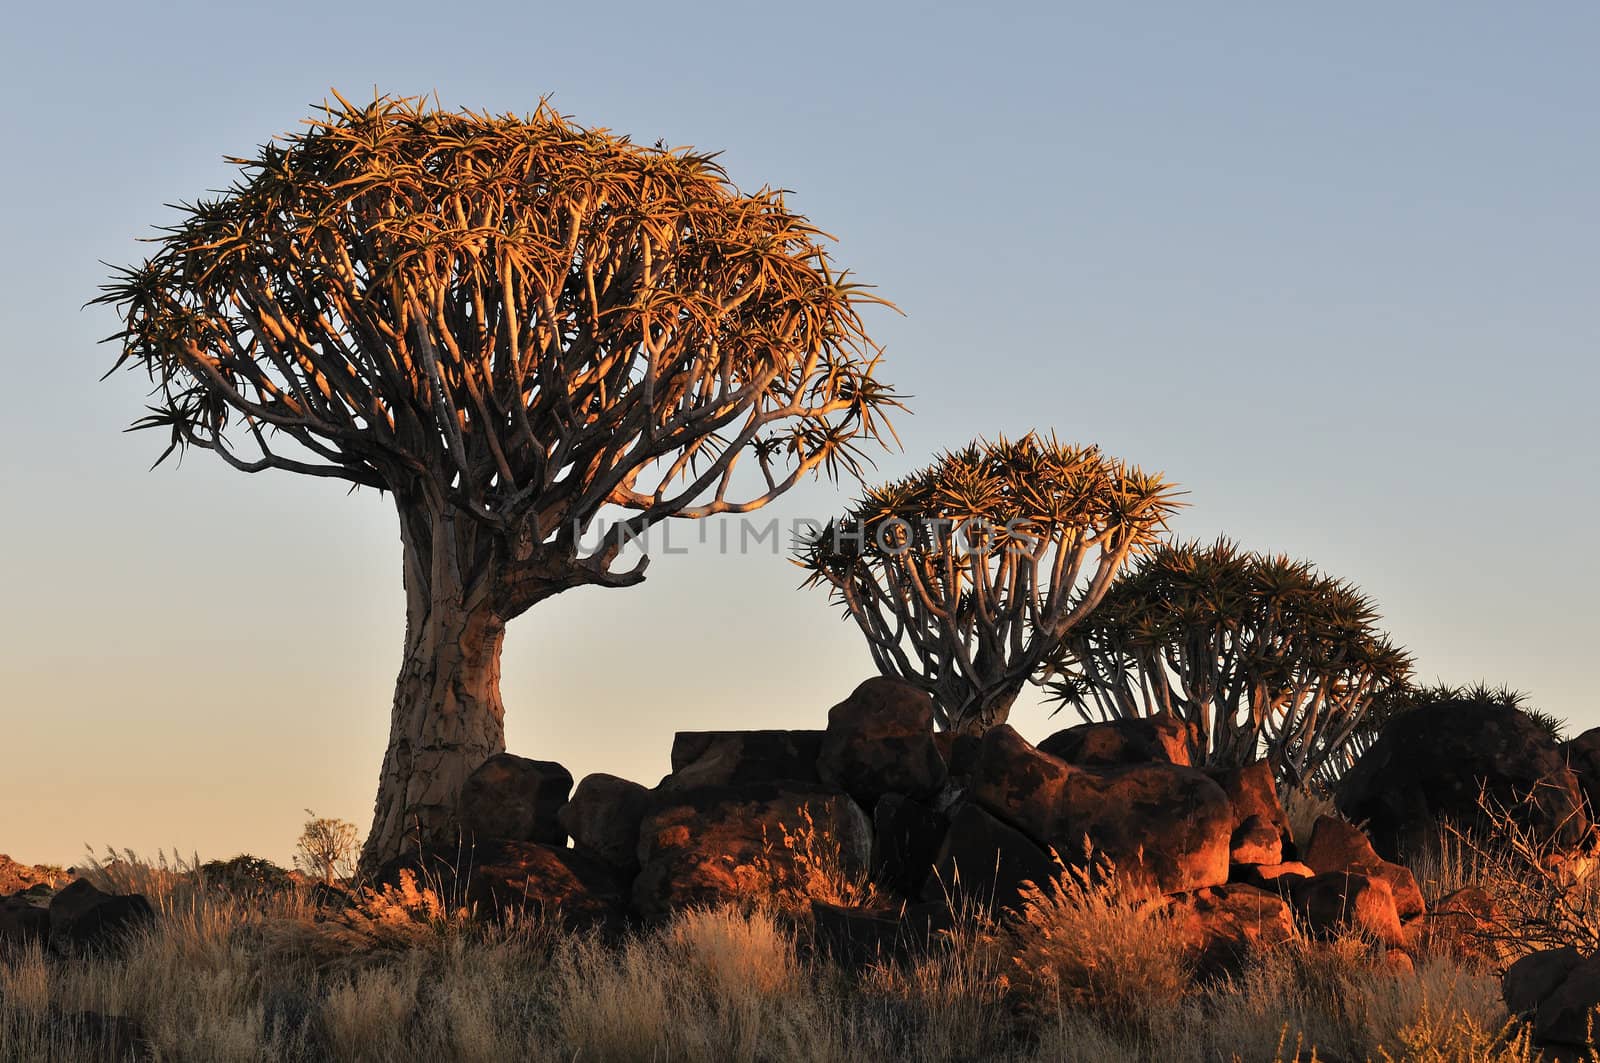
point(1535, 976)
point(1339, 846)
point(1399, 962)
point(733, 758)
point(82, 917)
point(1338, 901)
point(1221, 926)
point(555, 882)
point(1278, 878)
point(758, 841)
point(1260, 826)
point(1459, 925)
point(985, 861)
point(15, 877)
point(1160, 738)
point(1166, 828)
point(1431, 763)
point(1021, 785)
point(603, 819)
point(906, 835)
point(880, 740)
point(516, 799)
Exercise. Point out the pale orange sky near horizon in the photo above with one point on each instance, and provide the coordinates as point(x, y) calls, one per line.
point(1333, 271)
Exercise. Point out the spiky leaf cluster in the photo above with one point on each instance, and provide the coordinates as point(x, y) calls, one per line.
point(513, 317)
point(964, 575)
point(1261, 653)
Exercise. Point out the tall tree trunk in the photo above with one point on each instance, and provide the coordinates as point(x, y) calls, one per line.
point(448, 717)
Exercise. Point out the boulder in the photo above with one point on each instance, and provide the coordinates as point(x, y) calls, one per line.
point(1338, 901)
point(905, 842)
point(1260, 827)
point(960, 752)
point(985, 861)
point(1339, 846)
point(756, 841)
point(1165, 828)
point(732, 758)
point(557, 883)
point(1221, 926)
point(1459, 925)
point(1278, 878)
point(1430, 764)
point(1162, 738)
point(1535, 976)
point(516, 799)
point(1020, 784)
point(22, 921)
point(879, 740)
point(603, 819)
point(84, 918)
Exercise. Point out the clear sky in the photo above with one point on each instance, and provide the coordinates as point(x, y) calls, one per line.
point(1332, 269)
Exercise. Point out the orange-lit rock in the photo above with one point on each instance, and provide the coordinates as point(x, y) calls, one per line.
point(880, 741)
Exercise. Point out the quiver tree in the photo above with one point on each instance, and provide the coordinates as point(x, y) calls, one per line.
point(965, 576)
point(509, 324)
point(1260, 655)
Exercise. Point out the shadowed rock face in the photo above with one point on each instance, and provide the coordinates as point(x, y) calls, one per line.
point(1340, 900)
point(731, 758)
point(880, 741)
point(1560, 990)
point(1430, 764)
point(1339, 846)
point(1222, 925)
point(986, 861)
point(1162, 737)
point(516, 799)
point(1582, 755)
point(556, 882)
point(603, 818)
point(739, 842)
point(83, 917)
point(1166, 828)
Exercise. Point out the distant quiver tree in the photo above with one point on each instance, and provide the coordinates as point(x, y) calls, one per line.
point(1259, 654)
point(516, 327)
point(965, 576)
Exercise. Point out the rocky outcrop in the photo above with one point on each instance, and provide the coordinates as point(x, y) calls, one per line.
point(603, 819)
point(1582, 755)
point(513, 798)
point(732, 758)
point(1337, 902)
point(557, 883)
point(879, 741)
point(1558, 990)
point(1260, 832)
point(985, 861)
point(15, 877)
point(83, 918)
point(742, 843)
point(1162, 738)
point(1431, 763)
point(1337, 846)
point(1223, 926)
point(906, 836)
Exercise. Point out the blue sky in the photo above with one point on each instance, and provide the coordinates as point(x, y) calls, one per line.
point(1333, 270)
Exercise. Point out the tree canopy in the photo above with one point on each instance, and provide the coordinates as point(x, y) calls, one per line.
point(966, 574)
point(1261, 653)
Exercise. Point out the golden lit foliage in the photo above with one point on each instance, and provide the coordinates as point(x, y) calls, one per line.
point(965, 575)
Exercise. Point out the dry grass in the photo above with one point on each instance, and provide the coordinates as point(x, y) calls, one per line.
point(1082, 974)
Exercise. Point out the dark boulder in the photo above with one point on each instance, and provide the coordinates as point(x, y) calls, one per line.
point(960, 751)
point(1460, 924)
point(906, 835)
point(23, 922)
point(1582, 755)
point(985, 861)
point(767, 842)
point(1431, 763)
point(1339, 846)
point(84, 918)
point(1336, 902)
point(1165, 828)
point(557, 883)
point(1020, 784)
point(1560, 989)
point(516, 799)
point(1260, 826)
point(603, 818)
point(1162, 738)
point(856, 937)
point(880, 741)
point(1222, 926)
point(732, 758)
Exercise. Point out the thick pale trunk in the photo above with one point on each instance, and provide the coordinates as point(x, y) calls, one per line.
point(447, 717)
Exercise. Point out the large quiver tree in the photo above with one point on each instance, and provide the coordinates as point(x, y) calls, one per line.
point(1260, 654)
point(511, 324)
point(965, 576)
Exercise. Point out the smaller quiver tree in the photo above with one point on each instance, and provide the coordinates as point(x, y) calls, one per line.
point(964, 576)
point(1259, 654)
